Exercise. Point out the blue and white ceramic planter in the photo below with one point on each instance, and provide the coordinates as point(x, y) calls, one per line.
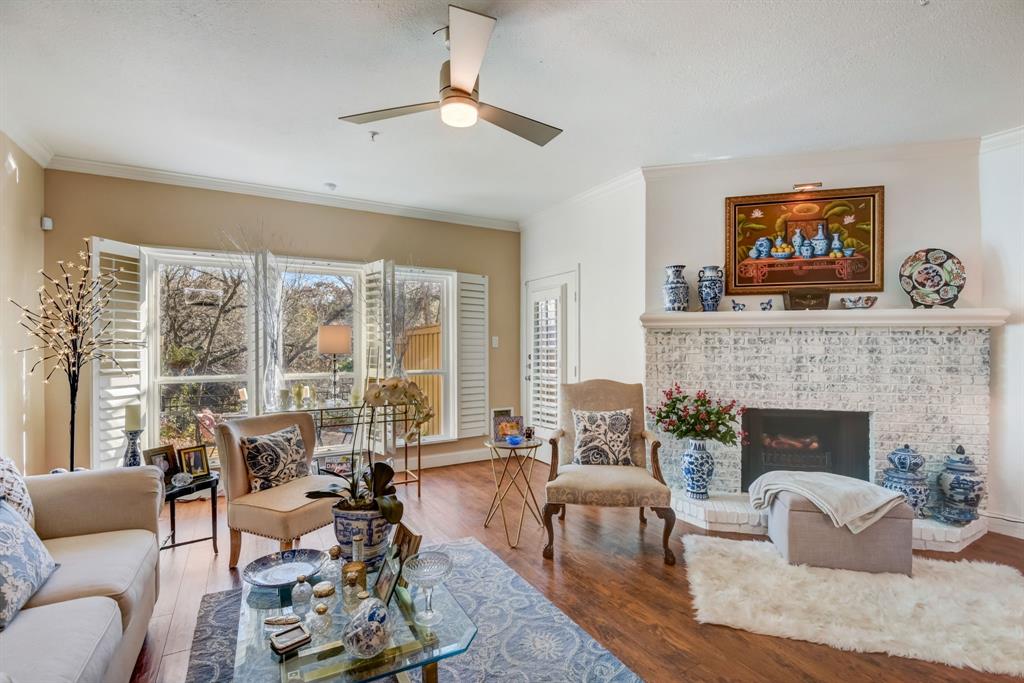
point(962, 488)
point(710, 287)
point(373, 528)
point(905, 478)
point(676, 289)
point(698, 468)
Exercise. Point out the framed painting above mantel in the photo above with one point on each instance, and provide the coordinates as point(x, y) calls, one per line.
point(827, 240)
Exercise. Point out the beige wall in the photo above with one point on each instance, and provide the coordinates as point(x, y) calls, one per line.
point(21, 255)
point(154, 214)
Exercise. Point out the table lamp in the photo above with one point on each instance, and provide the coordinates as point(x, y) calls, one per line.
point(332, 340)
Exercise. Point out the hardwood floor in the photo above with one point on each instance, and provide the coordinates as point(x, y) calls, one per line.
point(607, 575)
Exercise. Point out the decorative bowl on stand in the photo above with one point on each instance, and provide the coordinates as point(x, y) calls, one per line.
point(426, 570)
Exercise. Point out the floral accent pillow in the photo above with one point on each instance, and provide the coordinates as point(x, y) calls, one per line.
point(13, 489)
point(602, 437)
point(25, 563)
point(274, 459)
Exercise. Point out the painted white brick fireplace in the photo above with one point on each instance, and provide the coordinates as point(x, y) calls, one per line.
point(921, 375)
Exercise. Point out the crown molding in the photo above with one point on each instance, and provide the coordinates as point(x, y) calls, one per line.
point(62, 163)
point(616, 183)
point(29, 144)
point(1006, 138)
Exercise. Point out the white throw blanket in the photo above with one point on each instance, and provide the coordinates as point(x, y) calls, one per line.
point(848, 502)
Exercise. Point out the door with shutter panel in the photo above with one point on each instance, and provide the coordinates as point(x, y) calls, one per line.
point(549, 345)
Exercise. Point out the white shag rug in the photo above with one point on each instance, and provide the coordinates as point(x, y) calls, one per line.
point(965, 614)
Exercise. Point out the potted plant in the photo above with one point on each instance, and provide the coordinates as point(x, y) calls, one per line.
point(367, 502)
point(699, 419)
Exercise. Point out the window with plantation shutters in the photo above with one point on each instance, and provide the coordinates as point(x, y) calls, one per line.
point(471, 365)
point(545, 360)
point(125, 318)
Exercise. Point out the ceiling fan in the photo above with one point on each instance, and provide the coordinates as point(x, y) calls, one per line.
point(467, 36)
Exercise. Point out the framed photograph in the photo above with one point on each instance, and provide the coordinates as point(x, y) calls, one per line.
point(388, 577)
point(829, 240)
point(506, 426)
point(165, 458)
point(404, 544)
point(193, 460)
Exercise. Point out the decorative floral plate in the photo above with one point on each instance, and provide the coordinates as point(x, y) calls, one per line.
point(278, 570)
point(933, 277)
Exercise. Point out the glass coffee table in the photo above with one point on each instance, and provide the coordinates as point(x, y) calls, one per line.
point(412, 646)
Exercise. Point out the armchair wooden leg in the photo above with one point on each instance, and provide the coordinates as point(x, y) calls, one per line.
point(643, 520)
point(236, 547)
point(561, 515)
point(549, 511)
point(287, 545)
point(669, 515)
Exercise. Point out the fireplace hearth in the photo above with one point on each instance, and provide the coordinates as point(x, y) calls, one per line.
point(805, 440)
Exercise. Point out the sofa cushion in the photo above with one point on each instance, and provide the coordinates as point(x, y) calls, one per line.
point(25, 563)
point(602, 437)
point(608, 485)
point(70, 642)
point(14, 491)
point(274, 459)
point(112, 564)
point(283, 512)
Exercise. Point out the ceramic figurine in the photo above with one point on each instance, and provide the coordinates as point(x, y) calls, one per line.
point(806, 249)
point(819, 241)
point(767, 305)
point(676, 289)
point(905, 478)
point(366, 633)
point(837, 244)
point(961, 487)
point(698, 468)
point(798, 239)
point(737, 306)
point(763, 246)
point(710, 287)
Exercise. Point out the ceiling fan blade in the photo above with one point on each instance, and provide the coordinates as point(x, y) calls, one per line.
point(536, 132)
point(381, 114)
point(468, 35)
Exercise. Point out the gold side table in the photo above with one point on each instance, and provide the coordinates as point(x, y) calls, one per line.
point(514, 463)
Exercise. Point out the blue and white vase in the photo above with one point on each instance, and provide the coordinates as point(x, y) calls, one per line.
point(367, 633)
point(798, 240)
point(837, 244)
point(904, 477)
point(369, 524)
point(676, 289)
point(698, 468)
point(710, 287)
point(962, 488)
point(763, 246)
point(806, 249)
point(820, 242)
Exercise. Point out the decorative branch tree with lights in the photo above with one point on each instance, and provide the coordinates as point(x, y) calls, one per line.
point(67, 323)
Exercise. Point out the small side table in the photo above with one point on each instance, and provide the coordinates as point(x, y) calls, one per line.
point(173, 493)
point(515, 462)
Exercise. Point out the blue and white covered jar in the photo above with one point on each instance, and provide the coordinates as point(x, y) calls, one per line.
point(904, 477)
point(962, 488)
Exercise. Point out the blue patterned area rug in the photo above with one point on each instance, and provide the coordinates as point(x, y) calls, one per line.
point(521, 635)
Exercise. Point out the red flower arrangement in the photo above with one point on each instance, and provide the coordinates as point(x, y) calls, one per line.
point(698, 417)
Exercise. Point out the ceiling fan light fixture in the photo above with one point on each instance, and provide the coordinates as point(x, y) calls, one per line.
point(459, 111)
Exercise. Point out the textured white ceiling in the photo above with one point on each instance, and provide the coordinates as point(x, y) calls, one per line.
point(251, 91)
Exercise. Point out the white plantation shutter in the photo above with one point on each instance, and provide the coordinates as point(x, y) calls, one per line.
point(471, 353)
point(378, 348)
point(545, 360)
point(112, 387)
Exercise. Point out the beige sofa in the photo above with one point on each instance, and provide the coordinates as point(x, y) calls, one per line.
point(88, 621)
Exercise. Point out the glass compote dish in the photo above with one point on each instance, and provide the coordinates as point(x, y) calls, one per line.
point(426, 570)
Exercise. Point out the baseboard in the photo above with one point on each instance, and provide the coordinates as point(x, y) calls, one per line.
point(453, 458)
point(1007, 527)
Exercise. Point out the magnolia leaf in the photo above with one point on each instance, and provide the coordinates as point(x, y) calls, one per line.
point(837, 207)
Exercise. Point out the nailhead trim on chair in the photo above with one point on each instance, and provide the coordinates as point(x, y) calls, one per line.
point(276, 538)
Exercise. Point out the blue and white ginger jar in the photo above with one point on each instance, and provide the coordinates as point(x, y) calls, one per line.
point(698, 468)
point(710, 287)
point(962, 488)
point(676, 290)
point(367, 633)
point(904, 477)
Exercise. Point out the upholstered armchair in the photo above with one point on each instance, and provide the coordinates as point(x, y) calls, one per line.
point(606, 485)
point(282, 512)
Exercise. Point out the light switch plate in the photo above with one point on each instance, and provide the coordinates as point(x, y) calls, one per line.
point(494, 342)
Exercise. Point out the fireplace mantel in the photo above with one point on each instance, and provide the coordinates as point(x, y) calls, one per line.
point(870, 317)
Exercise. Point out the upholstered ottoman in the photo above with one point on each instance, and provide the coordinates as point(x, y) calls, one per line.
point(806, 535)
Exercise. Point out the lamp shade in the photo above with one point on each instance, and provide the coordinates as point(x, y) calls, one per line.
point(334, 339)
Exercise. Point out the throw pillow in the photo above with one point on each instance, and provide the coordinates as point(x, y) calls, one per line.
point(602, 437)
point(12, 487)
point(274, 459)
point(25, 563)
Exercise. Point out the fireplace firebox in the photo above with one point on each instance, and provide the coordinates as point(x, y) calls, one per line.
point(805, 440)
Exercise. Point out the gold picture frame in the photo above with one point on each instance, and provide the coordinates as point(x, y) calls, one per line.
point(856, 215)
point(194, 461)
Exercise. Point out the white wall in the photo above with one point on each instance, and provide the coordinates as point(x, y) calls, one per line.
point(1001, 171)
point(601, 232)
point(931, 200)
